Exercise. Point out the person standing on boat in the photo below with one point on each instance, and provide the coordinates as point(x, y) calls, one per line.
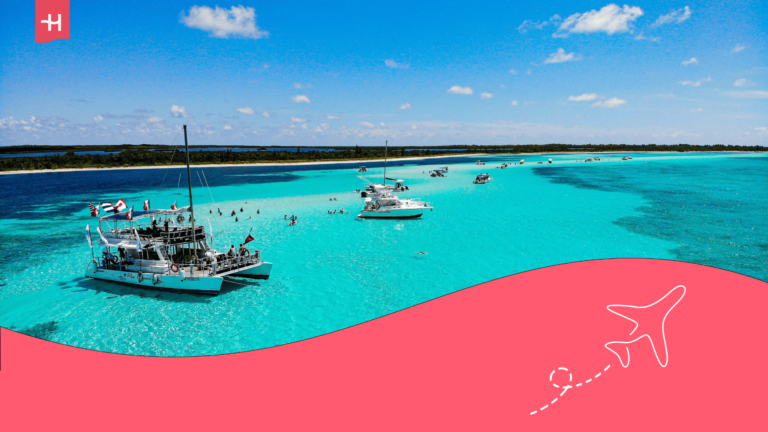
point(244, 251)
point(165, 224)
point(231, 253)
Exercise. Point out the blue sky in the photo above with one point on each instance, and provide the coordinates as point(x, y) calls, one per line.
point(416, 73)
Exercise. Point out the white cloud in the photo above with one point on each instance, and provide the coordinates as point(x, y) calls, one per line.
point(395, 65)
point(178, 111)
point(641, 36)
point(610, 103)
point(610, 19)
point(222, 23)
point(738, 48)
point(559, 57)
point(97, 119)
point(676, 16)
point(529, 71)
point(762, 130)
point(514, 103)
point(513, 71)
point(265, 114)
point(535, 25)
point(755, 94)
point(696, 83)
point(300, 86)
point(405, 106)
point(246, 110)
point(584, 97)
point(227, 127)
point(693, 60)
point(461, 90)
point(301, 99)
point(486, 96)
point(298, 120)
point(368, 125)
point(332, 117)
point(155, 119)
point(697, 110)
point(743, 82)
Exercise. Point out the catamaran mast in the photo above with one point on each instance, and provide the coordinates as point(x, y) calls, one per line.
point(191, 206)
point(385, 161)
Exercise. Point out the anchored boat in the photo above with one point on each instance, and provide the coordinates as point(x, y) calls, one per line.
point(168, 254)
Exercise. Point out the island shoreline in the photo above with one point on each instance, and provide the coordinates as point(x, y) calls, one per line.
point(61, 170)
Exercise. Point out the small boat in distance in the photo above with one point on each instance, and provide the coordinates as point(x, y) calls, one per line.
point(550, 161)
point(482, 179)
point(627, 158)
point(480, 163)
point(362, 169)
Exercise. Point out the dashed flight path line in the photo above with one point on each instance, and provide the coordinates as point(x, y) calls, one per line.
point(567, 386)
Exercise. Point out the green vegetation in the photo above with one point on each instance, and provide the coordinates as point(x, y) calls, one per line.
point(158, 155)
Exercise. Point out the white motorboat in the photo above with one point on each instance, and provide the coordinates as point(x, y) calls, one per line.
point(172, 255)
point(381, 203)
point(362, 169)
point(480, 163)
point(626, 158)
point(374, 188)
point(389, 206)
point(482, 179)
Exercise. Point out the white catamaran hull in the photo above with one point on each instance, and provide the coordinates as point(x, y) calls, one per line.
point(260, 271)
point(402, 213)
point(196, 284)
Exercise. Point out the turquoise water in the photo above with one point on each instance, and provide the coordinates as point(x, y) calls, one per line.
point(333, 271)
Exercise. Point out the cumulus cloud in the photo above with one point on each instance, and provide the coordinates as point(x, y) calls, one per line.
point(405, 106)
point(610, 103)
point(461, 90)
point(332, 117)
point(266, 114)
point(560, 56)
point(298, 120)
point(227, 127)
point(238, 21)
point(584, 97)
point(246, 110)
point(155, 119)
point(610, 19)
point(697, 110)
point(696, 83)
point(676, 16)
point(513, 71)
point(395, 65)
point(301, 99)
point(755, 94)
point(693, 60)
point(367, 124)
point(514, 103)
point(743, 82)
point(738, 48)
point(178, 111)
point(98, 119)
point(486, 96)
point(641, 36)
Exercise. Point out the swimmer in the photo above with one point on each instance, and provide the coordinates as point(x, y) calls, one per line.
point(421, 253)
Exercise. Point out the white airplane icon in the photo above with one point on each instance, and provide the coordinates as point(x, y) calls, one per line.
point(653, 330)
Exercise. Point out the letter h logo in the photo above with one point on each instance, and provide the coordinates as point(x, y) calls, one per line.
point(46, 29)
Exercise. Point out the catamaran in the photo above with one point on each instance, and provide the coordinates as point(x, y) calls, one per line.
point(173, 254)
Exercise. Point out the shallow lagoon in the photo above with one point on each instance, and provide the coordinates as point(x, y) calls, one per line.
point(333, 271)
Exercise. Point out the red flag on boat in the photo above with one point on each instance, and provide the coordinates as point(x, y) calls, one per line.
point(129, 216)
point(121, 205)
point(173, 206)
point(249, 238)
point(94, 209)
point(146, 205)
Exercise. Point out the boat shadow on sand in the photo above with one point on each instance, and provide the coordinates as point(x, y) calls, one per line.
point(114, 289)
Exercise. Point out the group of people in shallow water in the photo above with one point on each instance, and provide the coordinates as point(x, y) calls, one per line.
point(294, 219)
point(342, 211)
point(234, 213)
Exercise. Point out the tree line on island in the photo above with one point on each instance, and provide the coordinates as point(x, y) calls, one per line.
point(127, 155)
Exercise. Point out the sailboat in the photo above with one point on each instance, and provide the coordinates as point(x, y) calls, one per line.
point(381, 203)
point(173, 255)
